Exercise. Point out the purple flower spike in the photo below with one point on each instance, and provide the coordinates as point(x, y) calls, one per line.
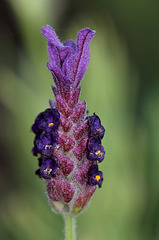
point(67, 140)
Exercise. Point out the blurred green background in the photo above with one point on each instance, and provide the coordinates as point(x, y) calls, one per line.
point(120, 85)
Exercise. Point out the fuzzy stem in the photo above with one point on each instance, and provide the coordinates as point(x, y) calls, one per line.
point(70, 227)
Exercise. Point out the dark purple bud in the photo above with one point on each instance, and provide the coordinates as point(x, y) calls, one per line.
point(95, 177)
point(95, 149)
point(95, 127)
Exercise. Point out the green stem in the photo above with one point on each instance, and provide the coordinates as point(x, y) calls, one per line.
point(70, 227)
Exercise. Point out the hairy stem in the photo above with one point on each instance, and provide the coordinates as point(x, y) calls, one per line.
point(70, 227)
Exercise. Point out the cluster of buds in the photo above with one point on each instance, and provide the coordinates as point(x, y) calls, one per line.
point(67, 140)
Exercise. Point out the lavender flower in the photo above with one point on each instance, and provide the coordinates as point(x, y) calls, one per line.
point(66, 139)
point(95, 176)
point(47, 121)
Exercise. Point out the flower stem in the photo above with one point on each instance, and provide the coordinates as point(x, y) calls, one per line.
point(70, 227)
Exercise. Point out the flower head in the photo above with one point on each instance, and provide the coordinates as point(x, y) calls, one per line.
point(67, 140)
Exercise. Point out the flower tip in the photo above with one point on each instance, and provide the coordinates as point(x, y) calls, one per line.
point(45, 29)
point(93, 32)
point(89, 31)
point(50, 34)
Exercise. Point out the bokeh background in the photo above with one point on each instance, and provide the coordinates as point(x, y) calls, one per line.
point(120, 85)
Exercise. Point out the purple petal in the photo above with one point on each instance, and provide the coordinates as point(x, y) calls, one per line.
point(77, 64)
point(50, 34)
point(58, 54)
point(72, 44)
point(61, 81)
point(57, 51)
point(55, 91)
point(54, 77)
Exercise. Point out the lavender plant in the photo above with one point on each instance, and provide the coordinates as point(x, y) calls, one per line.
point(67, 140)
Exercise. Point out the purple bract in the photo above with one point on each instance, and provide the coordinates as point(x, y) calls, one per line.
point(66, 139)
